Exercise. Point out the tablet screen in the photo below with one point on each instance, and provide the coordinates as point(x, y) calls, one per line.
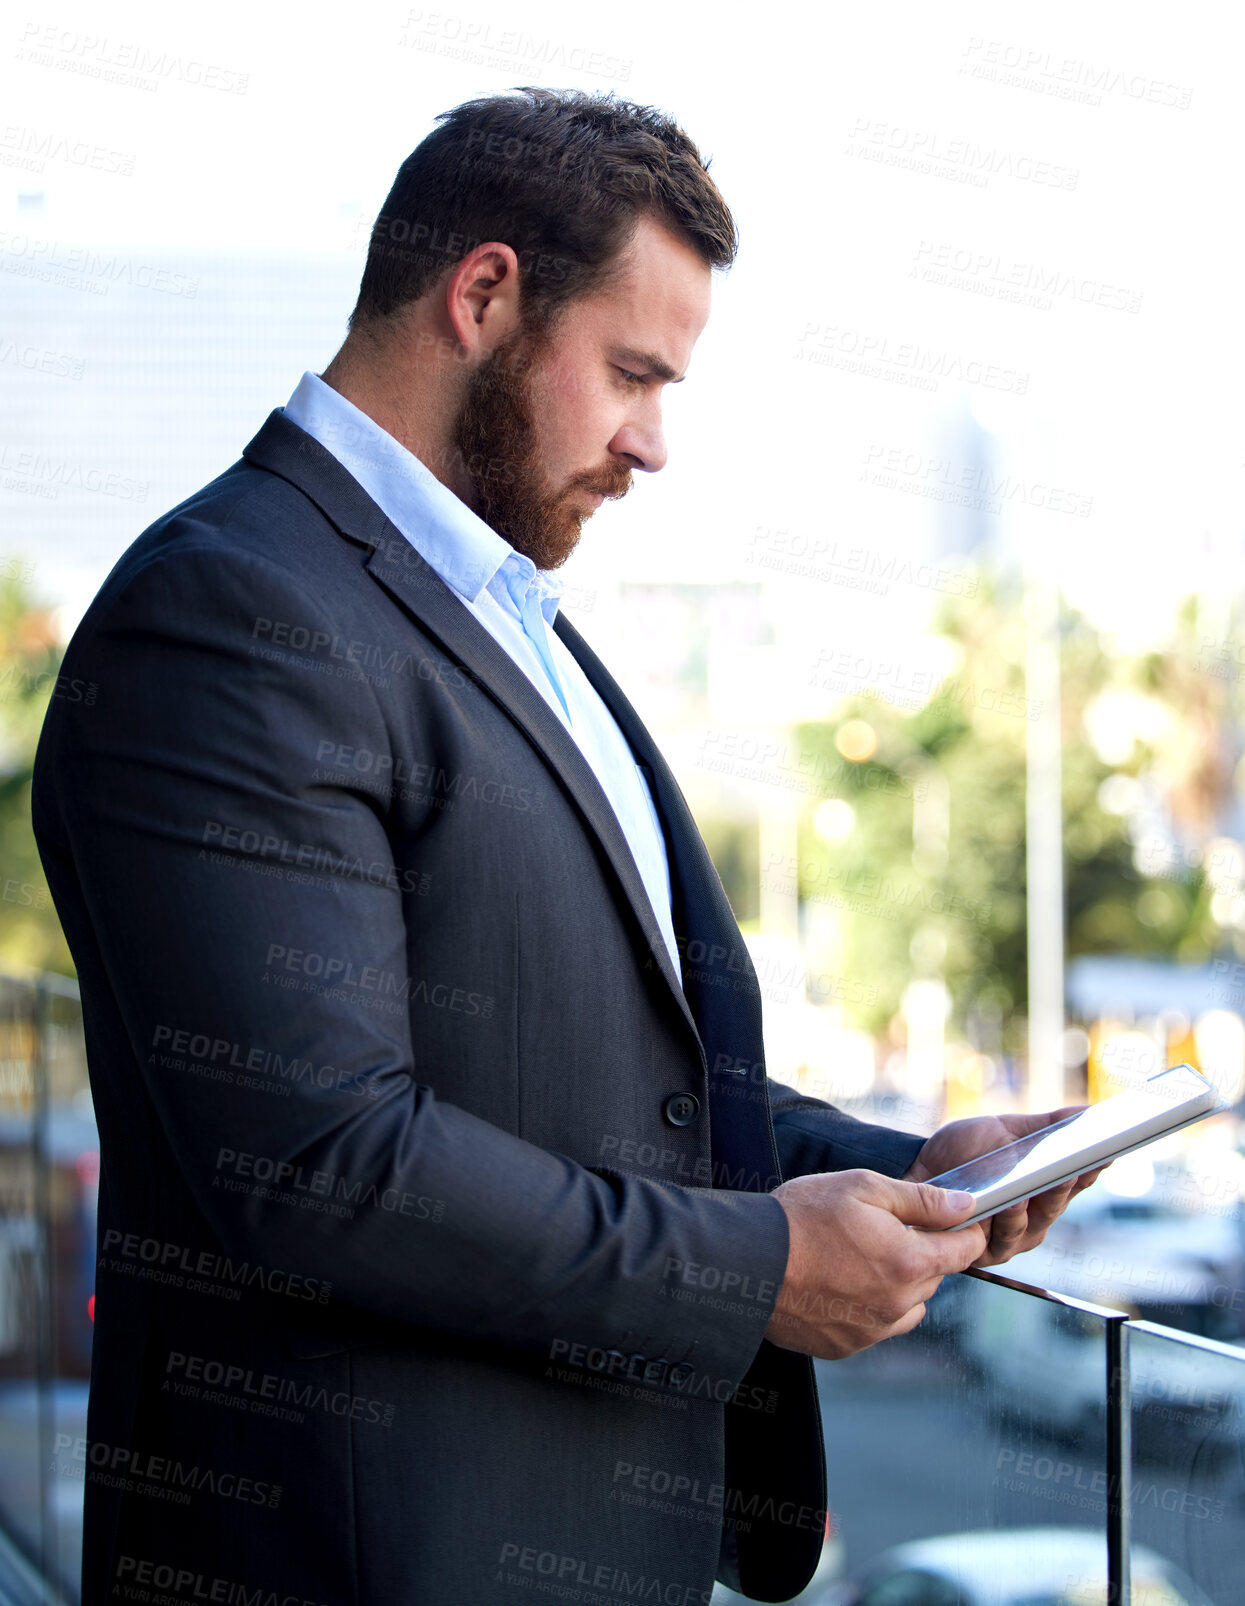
point(1087, 1139)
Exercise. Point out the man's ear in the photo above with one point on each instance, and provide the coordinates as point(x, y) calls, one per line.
point(482, 298)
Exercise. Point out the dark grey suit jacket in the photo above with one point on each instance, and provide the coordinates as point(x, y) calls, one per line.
point(435, 1245)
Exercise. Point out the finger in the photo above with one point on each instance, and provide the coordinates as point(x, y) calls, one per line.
point(1000, 1245)
point(937, 1253)
point(969, 1245)
point(1046, 1208)
point(905, 1325)
point(1023, 1226)
point(920, 1204)
point(1008, 1230)
point(1086, 1180)
point(924, 1292)
point(1022, 1125)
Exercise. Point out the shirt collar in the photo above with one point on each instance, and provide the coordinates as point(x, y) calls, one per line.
point(453, 540)
point(519, 576)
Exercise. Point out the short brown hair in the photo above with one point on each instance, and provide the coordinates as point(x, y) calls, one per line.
point(561, 176)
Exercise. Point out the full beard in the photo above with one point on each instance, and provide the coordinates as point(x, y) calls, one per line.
point(495, 441)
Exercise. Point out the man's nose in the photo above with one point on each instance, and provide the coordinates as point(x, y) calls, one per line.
point(642, 444)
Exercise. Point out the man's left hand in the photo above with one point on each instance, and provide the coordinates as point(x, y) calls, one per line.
point(1021, 1226)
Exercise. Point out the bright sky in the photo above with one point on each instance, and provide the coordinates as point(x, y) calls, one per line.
point(889, 182)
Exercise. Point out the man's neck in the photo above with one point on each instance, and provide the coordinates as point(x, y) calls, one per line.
point(402, 411)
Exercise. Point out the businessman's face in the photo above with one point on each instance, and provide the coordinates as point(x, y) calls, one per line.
point(550, 426)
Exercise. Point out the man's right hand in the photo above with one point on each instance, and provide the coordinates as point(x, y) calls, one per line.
point(856, 1273)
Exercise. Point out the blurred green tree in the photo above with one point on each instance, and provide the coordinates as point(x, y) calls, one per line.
point(927, 871)
point(30, 657)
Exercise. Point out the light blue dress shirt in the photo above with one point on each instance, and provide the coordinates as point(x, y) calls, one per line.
point(514, 600)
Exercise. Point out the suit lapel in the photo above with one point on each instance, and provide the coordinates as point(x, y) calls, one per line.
point(284, 449)
point(697, 883)
point(718, 973)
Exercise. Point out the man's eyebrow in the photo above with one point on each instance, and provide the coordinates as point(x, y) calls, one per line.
point(651, 361)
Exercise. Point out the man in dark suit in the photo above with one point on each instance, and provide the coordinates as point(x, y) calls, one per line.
point(438, 1194)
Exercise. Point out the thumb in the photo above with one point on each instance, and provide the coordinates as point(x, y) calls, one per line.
point(921, 1204)
point(1023, 1125)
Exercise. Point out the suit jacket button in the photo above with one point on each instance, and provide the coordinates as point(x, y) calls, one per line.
point(680, 1374)
point(681, 1109)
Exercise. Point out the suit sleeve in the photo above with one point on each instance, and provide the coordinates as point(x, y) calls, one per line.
point(812, 1135)
point(158, 799)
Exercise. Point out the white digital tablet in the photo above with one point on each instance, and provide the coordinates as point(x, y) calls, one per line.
point(1094, 1136)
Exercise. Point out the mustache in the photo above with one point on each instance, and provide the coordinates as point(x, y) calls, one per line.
point(611, 483)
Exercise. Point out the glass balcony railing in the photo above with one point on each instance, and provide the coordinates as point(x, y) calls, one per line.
point(1185, 1418)
point(49, 1183)
point(1019, 1448)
